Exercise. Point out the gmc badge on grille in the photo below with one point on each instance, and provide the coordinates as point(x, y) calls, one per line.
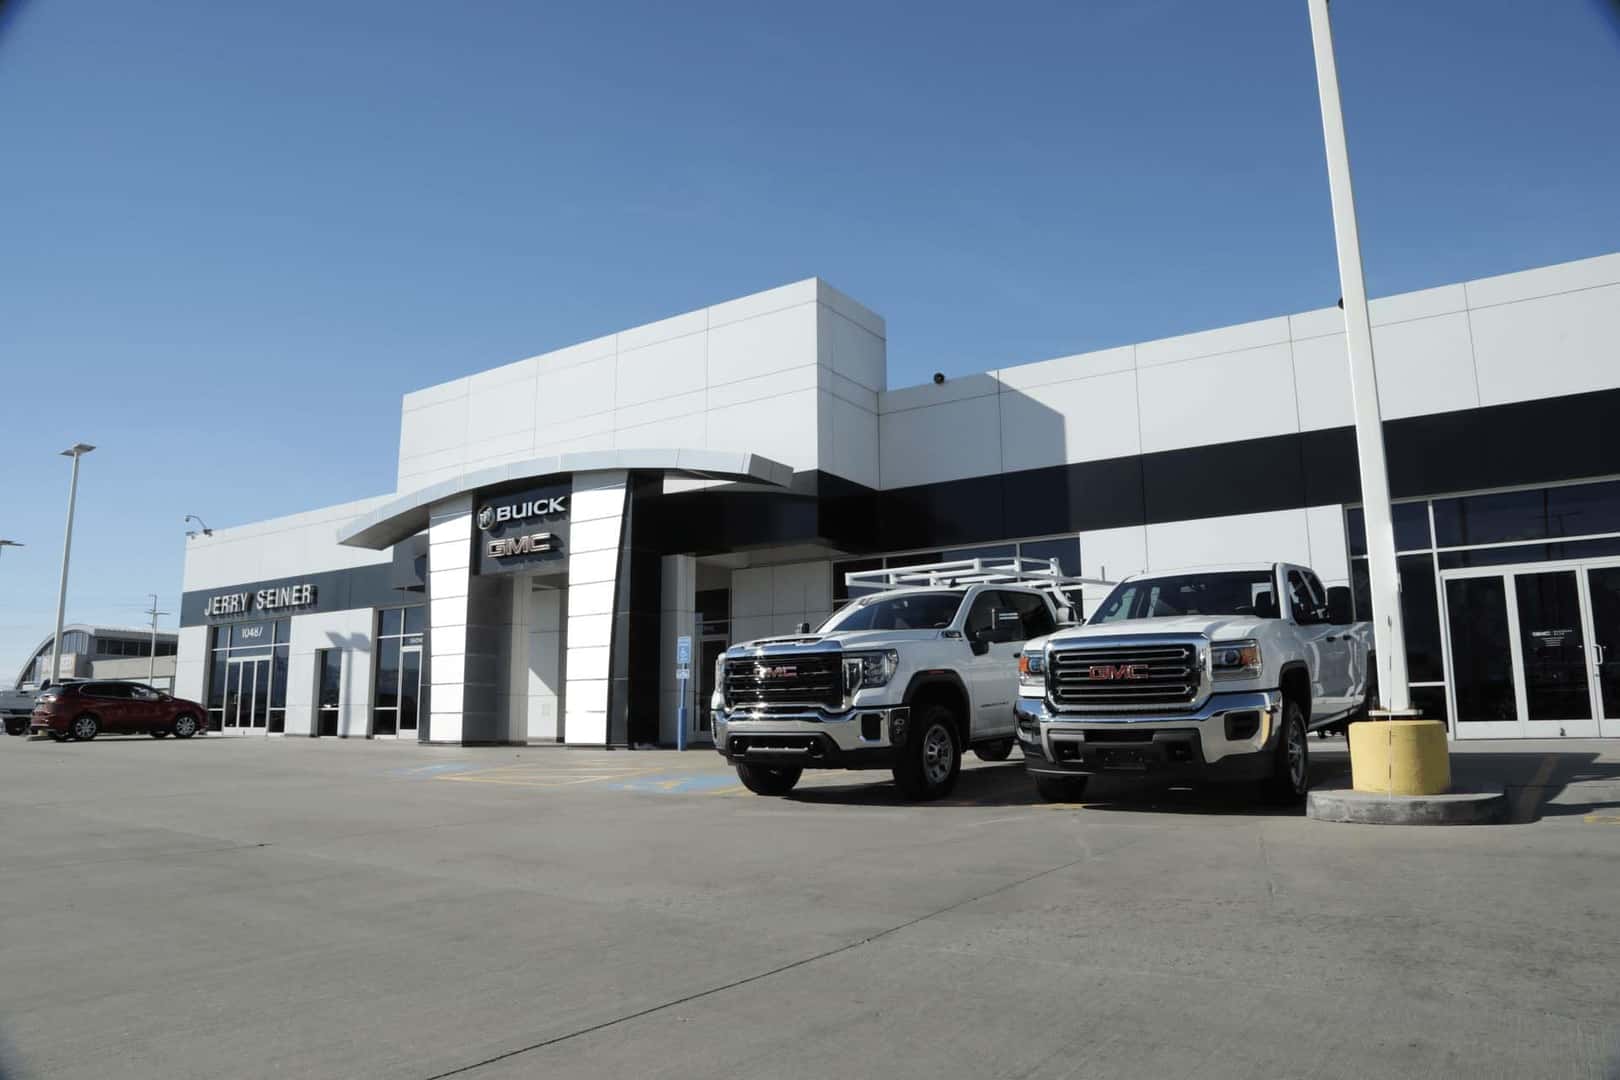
point(783, 672)
point(1111, 672)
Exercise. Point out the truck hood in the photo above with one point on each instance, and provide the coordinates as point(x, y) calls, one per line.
point(850, 640)
point(1214, 627)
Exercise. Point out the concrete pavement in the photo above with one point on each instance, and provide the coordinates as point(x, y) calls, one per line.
point(347, 909)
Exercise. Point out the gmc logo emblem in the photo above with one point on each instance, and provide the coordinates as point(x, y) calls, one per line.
point(786, 671)
point(1111, 672)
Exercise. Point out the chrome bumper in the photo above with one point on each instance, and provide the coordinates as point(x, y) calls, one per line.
point(1040, 724)
point(856, 730)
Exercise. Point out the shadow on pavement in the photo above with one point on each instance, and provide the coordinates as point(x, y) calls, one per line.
point(1533, 780)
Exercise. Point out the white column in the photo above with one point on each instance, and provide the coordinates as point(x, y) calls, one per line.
point(545, 652)
point(677, 616)
point(595, 519)
point(449, 572)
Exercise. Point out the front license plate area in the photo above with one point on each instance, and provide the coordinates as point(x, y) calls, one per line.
point(1122, 758)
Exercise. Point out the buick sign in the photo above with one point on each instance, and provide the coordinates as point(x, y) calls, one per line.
point(523, 530)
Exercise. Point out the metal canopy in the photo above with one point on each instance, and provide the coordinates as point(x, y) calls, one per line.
point(407, 515)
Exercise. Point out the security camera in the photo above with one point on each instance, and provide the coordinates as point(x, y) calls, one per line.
point(939, 378)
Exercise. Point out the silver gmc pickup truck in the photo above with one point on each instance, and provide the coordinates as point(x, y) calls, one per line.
point(1204, 674)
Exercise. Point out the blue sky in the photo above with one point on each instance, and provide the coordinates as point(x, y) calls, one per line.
point(231, 235)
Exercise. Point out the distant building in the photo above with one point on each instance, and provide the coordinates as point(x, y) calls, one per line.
point(105, 652)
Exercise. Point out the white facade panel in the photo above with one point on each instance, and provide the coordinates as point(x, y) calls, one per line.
point(1281, 536)
point(1241, 395)
point(1221, 341)
point(662, 370)
point(1546, 347)
point(786, 430)
point(949, 441)
point(568, 392)
point(1425, 366)
point(1322, 382)
point(766, 343)
point(1329, 556)
point(1086, 419)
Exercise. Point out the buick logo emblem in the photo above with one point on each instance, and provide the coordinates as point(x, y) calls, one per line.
point(1113, 672)
point(486, 517)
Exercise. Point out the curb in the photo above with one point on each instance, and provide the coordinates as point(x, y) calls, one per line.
point(1481, 806)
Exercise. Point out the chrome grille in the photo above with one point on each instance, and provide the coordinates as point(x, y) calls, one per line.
point(1124, 676)
point(811, 679)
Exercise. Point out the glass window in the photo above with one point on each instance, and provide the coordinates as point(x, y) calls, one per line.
point(278, 679)
point(329, 676)
point(216, 681)
point(1505, 516)
point(916, 558)
point(415, 619)
point(1231, 592)
point(1307, 608)
point(283, 631)
point(905, 611)
point(1420, 618)
point(989, 552)
point(387, 674)
point(112, 691)
point(1034, 613)
point(1411, 520)
point(393, 621)
point(1481, 655)
point(1430, 701)
point(1065, 550)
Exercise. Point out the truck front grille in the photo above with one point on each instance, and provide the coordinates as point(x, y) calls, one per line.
point(1124, 676)
point(815, 679)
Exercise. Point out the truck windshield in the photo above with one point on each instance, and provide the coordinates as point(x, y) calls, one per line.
point(1239, 592)
point(908, 611)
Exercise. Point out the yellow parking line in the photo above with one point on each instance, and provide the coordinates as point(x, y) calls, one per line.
point(1602, 819)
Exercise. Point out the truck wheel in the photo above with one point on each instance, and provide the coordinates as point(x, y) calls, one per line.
point(1000, 750)
point(16, 727)
point(932, 757)
point(84, 726)
point(1291, 772)
point(1061, 788)
point(762, 780)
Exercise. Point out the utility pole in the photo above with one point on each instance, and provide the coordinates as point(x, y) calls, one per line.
point(151, 670)
point(76, 451)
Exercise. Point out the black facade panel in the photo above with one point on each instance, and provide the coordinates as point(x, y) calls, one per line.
point(1328, 459)
point(1247, 477)
point(334, 590)
point(954, 512)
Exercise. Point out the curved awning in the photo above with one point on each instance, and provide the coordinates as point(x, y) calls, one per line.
point(407, 515)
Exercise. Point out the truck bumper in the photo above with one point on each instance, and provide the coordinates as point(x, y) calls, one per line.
point(1231, 738)
point(862, 738)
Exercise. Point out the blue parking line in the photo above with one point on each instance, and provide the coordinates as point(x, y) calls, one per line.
point(423, 772)
point(676, 783)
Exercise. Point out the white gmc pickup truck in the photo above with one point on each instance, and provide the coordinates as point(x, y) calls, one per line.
point(1207, 674)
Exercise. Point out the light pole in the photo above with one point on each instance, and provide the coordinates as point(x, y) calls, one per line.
point(76, 451)
point(1389, 638)
point(151, 668)
point(9, 543)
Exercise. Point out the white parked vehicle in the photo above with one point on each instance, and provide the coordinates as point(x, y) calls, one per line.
point(1205, 674)
point(903, 679)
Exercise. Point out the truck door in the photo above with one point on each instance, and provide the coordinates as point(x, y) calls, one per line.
point(1327, 647)
point(994, 633)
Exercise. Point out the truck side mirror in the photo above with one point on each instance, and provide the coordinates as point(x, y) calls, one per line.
point(1067, 616)
point(1339, 606)
point(804, 628)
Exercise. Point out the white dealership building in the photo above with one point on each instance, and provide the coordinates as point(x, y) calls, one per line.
point(561, 523)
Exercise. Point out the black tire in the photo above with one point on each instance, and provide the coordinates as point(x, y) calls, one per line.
point(763, 780)
point(1291, 771)
point(931, 759)
point(1000, 750)
point(85, 726)
point(185, 726)
point(1061, 788)
point(158, 734)
point(16, 726)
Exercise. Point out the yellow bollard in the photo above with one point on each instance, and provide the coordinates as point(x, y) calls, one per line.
point(1399, 757)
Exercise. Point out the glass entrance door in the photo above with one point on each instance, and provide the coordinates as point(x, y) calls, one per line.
point(1603, 591)
point(410, 689)
point(247, 696)
point(1520, 662)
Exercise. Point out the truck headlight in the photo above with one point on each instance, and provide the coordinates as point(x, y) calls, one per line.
point(862, 670)
point(1032, 670)
point(1235, 659)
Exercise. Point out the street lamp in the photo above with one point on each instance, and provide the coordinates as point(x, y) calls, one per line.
point(76, 451)
point(1389, 636)
point(151, 668)
point(9, 543)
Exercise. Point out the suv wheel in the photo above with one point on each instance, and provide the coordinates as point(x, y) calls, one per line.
point(1061, 788)
point(84, 727)
point(932, 757)
point(1000, 750)
point(185, 726)
point(762, 780)
point(1291, 775)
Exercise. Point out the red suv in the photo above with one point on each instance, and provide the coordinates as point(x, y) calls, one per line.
point(83, 710)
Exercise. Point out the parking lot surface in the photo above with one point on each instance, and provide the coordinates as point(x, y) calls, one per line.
point(289, 907)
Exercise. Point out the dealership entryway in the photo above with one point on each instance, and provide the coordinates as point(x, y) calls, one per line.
point(1536, 650)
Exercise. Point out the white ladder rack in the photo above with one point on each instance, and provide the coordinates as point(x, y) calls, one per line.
point(1011, 571)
